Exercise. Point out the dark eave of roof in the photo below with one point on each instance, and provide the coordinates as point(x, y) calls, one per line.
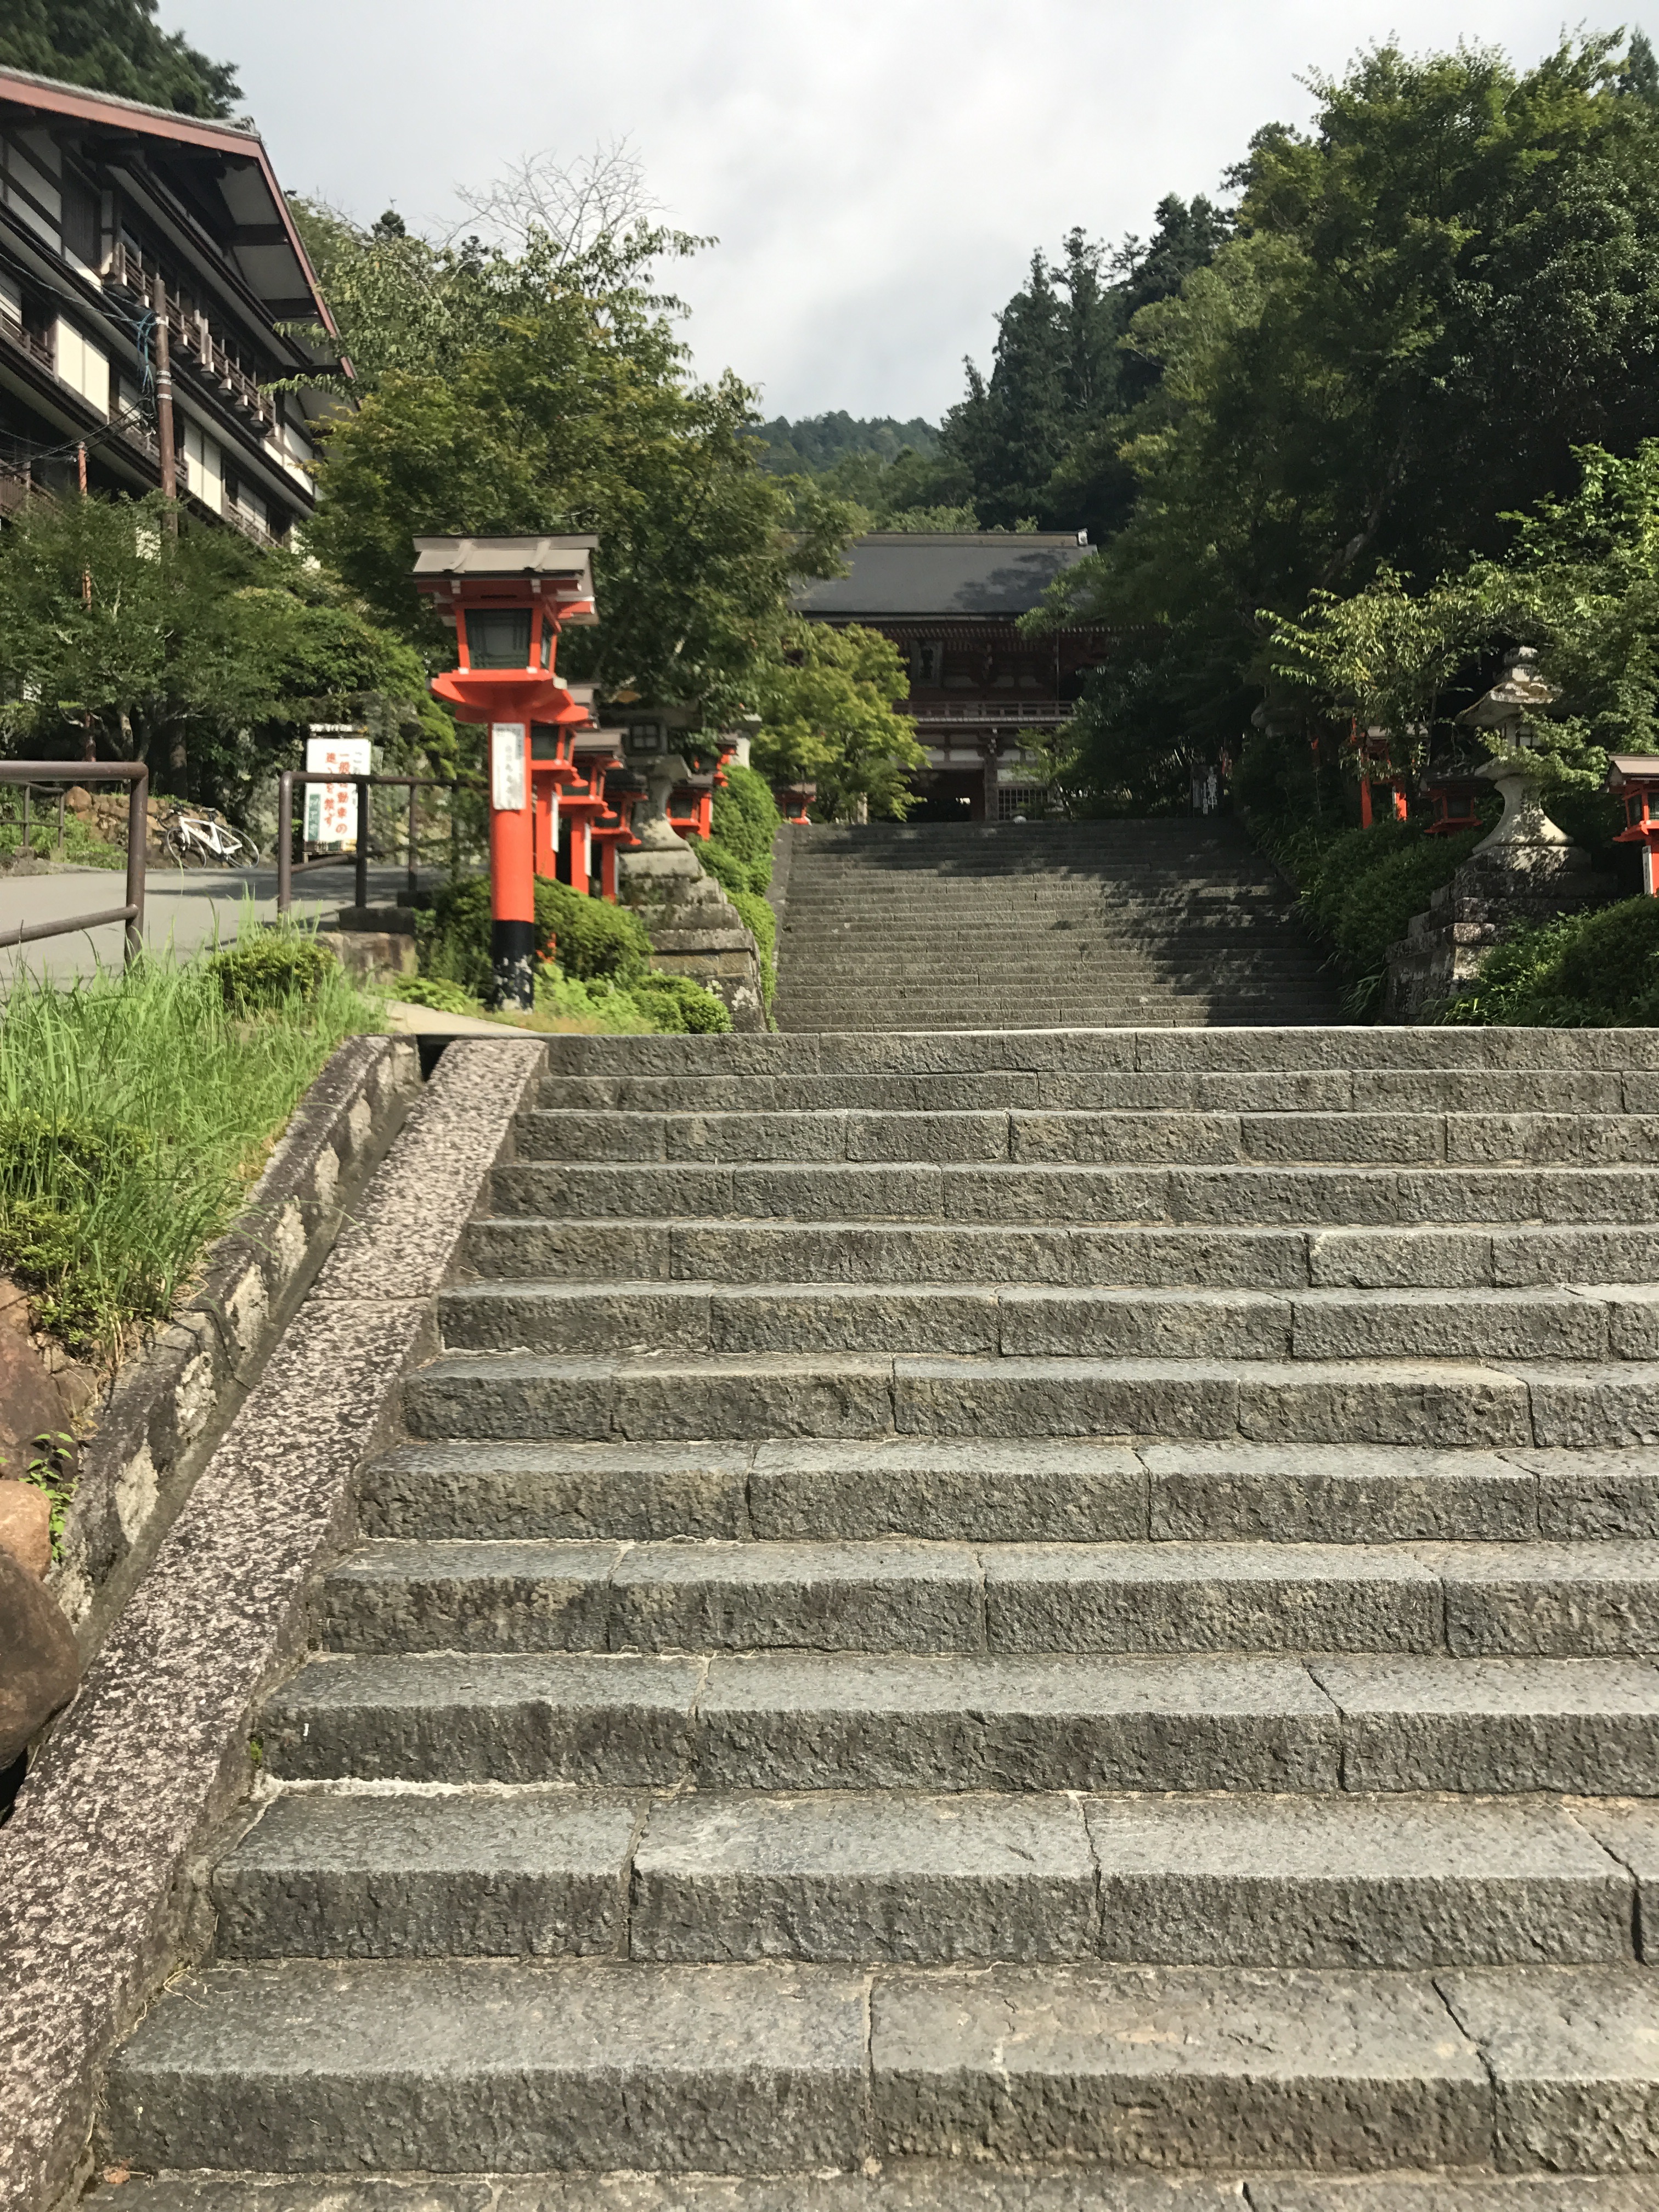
point(952, 576)
point(270, 228)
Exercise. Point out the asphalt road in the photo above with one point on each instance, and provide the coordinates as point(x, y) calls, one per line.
point(190, 908)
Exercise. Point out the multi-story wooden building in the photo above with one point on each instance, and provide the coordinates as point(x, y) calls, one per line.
point(118, 221)
point(982, 694)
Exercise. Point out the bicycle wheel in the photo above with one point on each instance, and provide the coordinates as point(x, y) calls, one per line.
point(179, 848)
point(247, 853)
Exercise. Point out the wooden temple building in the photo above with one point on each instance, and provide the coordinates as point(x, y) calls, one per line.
point(983, 695)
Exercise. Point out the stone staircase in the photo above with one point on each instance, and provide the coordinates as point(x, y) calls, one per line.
point(1041, 925)
point(1050, 1623)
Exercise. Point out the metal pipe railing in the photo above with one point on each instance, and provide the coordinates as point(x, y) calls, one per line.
point(287, 867)
point(134, 773)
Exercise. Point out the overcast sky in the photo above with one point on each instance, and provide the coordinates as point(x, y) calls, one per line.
point(877, 172)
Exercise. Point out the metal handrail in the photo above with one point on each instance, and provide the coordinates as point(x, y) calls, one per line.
point(287, 867)
point(134, 773)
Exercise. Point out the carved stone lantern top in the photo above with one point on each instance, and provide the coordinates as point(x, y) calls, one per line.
point(1521, 689)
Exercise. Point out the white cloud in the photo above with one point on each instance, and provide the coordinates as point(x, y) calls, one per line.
point(877, 172)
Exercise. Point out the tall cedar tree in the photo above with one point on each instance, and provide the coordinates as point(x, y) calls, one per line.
point(1036, 440)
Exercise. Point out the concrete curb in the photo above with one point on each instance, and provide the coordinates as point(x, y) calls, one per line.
point(95, 1864)
point(169, 1406)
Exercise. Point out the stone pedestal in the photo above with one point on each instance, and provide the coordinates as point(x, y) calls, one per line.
point(1527, 871)
point(375, 940)
point(694, 928)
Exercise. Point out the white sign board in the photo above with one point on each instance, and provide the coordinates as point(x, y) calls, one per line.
point(507, 780)
point(331, 808)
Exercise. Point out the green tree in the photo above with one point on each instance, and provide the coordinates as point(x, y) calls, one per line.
point(827, 717)
point(1429, 303)
point(116, 46)
point(1385, 656)
point(558, 399)
point(1038, 438)
point(812, 446)
point(187, 650)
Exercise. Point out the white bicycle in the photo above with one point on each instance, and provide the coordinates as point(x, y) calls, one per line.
point(193, 841)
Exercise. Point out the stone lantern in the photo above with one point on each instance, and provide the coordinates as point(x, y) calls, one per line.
point(1501, 716)
point(1526, 871)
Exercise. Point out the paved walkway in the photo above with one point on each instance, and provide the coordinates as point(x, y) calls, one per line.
point(191, 910)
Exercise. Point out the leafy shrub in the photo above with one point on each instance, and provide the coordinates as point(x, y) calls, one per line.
point(676, 1005)
point(1358, 889)
point(761, 923)
point(594, 941)
point(1597, 970)
point(443, 998)
point(600, 1005)
point(744, 820)
point(738, 856)
point(271, 969)
point(731, 874)
point(452, 937)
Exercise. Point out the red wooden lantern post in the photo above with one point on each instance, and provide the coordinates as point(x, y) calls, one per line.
point(1376, 754)
point(1634, 778)
point(508, 599)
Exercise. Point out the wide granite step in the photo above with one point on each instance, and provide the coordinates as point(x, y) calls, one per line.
point(469, 2066)
point(1067, 1193)
point(1582, 1323)
point(668, 1395)
point(1406, 1137)
point(526, 1871)
point(498, 1594)
point(1327, 1091)
point(790, 1721)
point(962, 1490)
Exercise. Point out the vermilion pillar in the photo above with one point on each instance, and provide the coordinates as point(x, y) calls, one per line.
point(512, 865)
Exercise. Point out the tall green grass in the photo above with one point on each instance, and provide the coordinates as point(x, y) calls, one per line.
point(135, 1110)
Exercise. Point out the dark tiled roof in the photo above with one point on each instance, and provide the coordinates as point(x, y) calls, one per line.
point(895, 574)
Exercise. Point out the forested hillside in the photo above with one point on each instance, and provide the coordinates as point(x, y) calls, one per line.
point(809, 447)
point(115, 45)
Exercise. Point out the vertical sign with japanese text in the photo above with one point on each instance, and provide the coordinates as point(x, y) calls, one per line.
point(331, 808)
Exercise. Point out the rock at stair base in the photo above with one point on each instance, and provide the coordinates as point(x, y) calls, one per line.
point(26, 1526)
point(38, 1664)
point(30, 1405)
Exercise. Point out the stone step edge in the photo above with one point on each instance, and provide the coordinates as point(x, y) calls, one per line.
point(1056, 1489)
point(770, 2067)
point(1065, 1861)
point(1280, 1723)
point(1519, 1404)
point(1586, 1321)
point(903, 2185)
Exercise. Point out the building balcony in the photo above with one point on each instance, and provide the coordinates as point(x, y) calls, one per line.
point(194, 344)
point(27, 342)
point(249, 525)
point(134, 431)
point(1000, 714)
